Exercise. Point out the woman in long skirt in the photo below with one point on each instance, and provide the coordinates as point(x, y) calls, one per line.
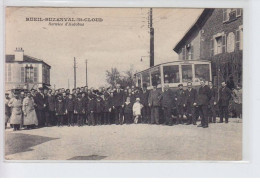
point(30, 118)
point(16, 112)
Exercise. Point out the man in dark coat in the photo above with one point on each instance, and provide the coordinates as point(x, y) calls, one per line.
point(79, 109)
point(91, 109)
point(51, 107)
point(180, 103)
point(167, 104)
point(107, 109)
point(99, 110)
point(70, 104)
point(190, 95)
point(143, 95)
point(202, 101)
point(60, 110)
point(213, 103)
point(118, 105)
point(40, 102)
point(154, 101)
point(224, 98)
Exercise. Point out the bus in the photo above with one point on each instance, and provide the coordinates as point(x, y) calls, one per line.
point(175, 73)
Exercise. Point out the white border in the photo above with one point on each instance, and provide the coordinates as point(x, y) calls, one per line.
point(251, 127)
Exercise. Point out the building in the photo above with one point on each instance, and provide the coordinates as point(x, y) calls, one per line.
point(25, 72)
point(217, 36)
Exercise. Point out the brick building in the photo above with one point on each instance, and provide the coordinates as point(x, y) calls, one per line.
point(25, 72)
point(217, 36)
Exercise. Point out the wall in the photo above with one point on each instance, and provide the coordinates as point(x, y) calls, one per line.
point(213, 26)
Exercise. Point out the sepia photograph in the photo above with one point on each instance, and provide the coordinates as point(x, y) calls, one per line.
point(123, 84)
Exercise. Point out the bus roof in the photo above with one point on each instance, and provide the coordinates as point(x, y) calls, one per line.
point(179, 61)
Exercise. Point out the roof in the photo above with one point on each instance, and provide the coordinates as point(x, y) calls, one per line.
point(179, 61)
point(195, 27)
point(26, 59)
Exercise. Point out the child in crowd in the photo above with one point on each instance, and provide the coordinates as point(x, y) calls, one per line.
point(128, 112)
point(137, 107)
point(60, 111)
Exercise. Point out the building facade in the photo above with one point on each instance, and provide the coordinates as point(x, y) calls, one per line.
point(217, 36)
point(25, 72)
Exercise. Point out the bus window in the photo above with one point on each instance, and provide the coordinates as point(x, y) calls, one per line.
point(171, 74)
point(156, 76)
point(186, 73)
point(201, 72)
point(146, 79)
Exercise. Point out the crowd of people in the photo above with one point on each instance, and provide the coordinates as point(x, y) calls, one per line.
point(105, 106)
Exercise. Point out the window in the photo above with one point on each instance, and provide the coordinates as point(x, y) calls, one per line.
point(156, 76)
point(29, 76)
point(9, 73)
point(219, 43)
point(35, 77)
point(239, 12)
point(187, 52)
point(146, 79)
point(201, 72)
point(231, 14)
point(186, 73)
point(171, 74)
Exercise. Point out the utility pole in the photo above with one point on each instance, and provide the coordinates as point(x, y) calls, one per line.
point(86, 72)
point(151, 37)
point(75, 79)
point(68, 83)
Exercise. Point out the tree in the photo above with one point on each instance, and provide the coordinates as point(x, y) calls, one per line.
point(113, 76)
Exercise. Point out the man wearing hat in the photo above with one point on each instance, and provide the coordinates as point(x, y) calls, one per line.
point(80, 109)
point(202, 101)
point(167, 104)
point(40, 106)
point(154, 103)
point(191, 95)
point(180, 103)
point(118, 104)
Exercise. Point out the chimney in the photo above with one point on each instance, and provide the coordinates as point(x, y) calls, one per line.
point(18, 54)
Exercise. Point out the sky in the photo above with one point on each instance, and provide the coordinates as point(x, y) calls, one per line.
point(118, 41)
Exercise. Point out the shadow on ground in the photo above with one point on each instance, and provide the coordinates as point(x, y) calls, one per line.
point(90, 157)
point(18, 142)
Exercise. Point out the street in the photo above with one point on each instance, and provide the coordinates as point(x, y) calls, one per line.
point(127, 142)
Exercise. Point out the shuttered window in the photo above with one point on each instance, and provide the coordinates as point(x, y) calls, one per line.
point(239, 39)
point(224, 44)
point(225, 15)
point(211, 47)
